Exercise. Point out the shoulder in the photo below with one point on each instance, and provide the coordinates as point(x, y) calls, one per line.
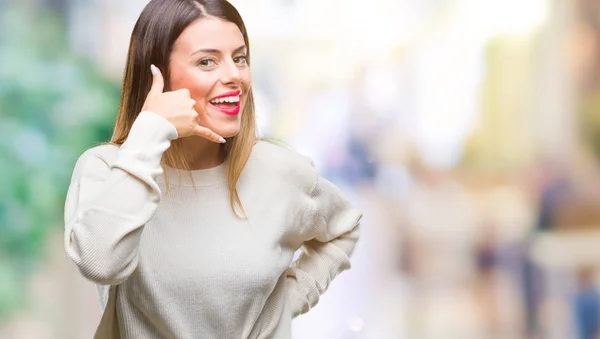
point(280, 154)
point(95, 162)
point(277, 161)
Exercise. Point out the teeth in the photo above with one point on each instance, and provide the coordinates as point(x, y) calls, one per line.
point(232, 99)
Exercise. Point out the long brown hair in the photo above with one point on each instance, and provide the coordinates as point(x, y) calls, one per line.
point(155, 32)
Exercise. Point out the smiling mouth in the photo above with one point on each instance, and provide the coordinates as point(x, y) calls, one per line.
point(229, 105)
point(226, 102)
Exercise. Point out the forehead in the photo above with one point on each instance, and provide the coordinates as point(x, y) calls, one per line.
point(209, 32)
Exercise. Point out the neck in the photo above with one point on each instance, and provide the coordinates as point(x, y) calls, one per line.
point(203, 154)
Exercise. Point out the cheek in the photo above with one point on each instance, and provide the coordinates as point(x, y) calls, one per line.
point(199, 90)
point(246, 85)
point(247, 79)
point(199, 85)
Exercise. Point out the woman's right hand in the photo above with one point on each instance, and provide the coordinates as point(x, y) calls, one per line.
point(178, 108)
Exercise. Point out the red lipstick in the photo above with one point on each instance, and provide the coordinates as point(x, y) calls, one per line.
point(234, 110)
point(228, 109)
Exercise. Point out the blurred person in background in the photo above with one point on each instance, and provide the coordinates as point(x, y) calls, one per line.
point(187, 222)
point(554, 188)
point(586, 304)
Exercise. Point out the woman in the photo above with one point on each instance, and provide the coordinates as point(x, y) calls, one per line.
point(188, 223)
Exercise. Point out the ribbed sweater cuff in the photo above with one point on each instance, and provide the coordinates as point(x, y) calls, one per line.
point(295, 299)
point(149, 138)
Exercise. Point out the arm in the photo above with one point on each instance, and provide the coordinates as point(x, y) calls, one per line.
point(108, 204)
point(330, 242)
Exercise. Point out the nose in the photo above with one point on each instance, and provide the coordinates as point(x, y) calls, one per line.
point(231, 74)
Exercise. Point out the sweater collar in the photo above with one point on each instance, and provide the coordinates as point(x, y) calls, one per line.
point(204, 177)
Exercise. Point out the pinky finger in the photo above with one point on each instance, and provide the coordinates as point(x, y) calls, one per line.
point(208, 134)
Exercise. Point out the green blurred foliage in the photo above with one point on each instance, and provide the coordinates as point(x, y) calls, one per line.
point(53, 106)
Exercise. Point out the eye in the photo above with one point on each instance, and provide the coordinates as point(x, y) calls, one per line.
point(241, 60)
point(206, 62)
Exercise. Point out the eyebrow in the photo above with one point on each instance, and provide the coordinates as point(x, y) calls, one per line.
point(216, 51)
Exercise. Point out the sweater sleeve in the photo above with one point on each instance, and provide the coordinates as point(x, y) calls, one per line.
point(329, 243)
point(110, 199)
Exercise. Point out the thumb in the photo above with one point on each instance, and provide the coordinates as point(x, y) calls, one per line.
point(158, 83)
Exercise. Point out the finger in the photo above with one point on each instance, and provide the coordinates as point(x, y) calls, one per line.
point(183, 93)
point(158, 83)
point(208, 134)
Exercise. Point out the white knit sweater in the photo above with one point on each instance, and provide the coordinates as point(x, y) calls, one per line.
point(179, 263)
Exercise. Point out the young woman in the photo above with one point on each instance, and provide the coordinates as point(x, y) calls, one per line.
point(187, 222)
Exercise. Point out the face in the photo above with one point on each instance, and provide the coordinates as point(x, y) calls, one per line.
point(209, 58)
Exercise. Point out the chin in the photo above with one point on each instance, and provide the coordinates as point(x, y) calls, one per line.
point(227, 131)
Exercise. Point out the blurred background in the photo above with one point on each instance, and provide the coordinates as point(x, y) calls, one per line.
point(468, 131)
